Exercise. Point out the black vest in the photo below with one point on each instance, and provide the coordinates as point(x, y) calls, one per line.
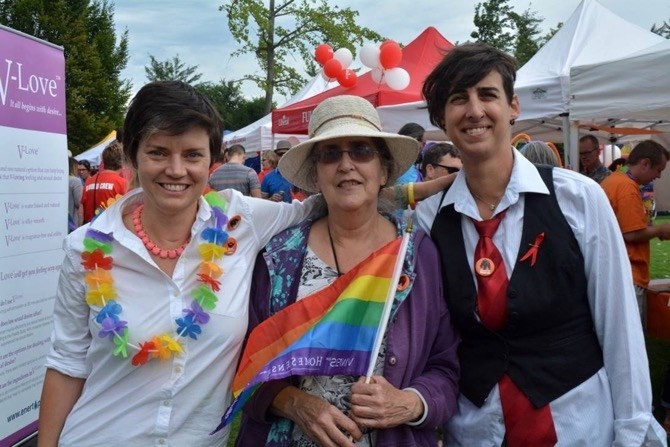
point(548, 346)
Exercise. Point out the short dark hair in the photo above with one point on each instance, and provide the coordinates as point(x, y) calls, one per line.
point(648, 149)
point(86, 163)
point(413, 130)
point(592, 139)
point(461, 68)
point(173, 107)
point(112, 156)
point(435, 152)
point(236, 149)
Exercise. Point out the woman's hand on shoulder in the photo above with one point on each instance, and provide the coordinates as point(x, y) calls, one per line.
point(320, 421)
point(380, 405)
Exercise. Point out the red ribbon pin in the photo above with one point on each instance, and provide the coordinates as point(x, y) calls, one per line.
point(532, 251)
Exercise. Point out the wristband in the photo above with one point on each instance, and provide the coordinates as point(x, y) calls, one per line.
point(410, 195)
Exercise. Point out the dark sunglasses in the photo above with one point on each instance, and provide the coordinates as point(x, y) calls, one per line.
point(360, 153)
point(449, 169)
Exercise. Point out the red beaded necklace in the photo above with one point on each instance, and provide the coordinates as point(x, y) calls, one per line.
point(151, 246)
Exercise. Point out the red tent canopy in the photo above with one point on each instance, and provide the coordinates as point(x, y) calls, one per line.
point(419, 58)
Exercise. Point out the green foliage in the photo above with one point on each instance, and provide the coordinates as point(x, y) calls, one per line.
point(526, 42)
point(494, 24)
point(94, 58)
point(171, 70)
point(547, 37)
point(236, 110)
point(287, 30)
point(662, 30)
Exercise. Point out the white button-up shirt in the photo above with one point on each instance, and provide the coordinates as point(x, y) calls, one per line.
point(175, 402)
point(613, 407)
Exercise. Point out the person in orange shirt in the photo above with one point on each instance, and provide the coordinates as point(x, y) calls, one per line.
point(106, 184)
point(645, 164)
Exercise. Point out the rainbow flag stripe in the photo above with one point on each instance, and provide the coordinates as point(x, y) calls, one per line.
point(330, 332)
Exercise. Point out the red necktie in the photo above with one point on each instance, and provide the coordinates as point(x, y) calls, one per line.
point(525, 425)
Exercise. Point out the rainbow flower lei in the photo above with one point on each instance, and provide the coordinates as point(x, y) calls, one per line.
point(101, 292)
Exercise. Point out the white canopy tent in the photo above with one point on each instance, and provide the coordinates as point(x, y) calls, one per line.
point(592, 35)
point(635, 87)
point(94, 154)
point(258, 135)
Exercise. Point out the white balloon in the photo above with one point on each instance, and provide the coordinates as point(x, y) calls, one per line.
point(377, 75)
point(370, 55)
point(397, 78)
point(344, 56)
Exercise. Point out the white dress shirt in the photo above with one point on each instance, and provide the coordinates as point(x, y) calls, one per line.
point(613, 407)
point(178, 401)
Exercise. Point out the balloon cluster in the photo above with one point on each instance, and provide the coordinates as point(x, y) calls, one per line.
point(384, 61)
point(336, 64)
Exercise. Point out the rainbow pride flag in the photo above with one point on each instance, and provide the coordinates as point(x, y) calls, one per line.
point(331, 332)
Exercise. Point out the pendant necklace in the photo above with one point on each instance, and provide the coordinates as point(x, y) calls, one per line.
point(492, 206)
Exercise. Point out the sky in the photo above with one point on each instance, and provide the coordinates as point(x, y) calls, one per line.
point(197, 31)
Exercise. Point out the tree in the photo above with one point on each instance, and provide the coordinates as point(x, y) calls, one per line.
point(171, 70)
point(547, 37)
point(526, 42)
point(95, 94)
point(236, 110)
point(287, 29)
point(494, 24)
point(662, 30)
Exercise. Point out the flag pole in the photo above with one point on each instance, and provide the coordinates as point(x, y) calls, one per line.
point(388, 303)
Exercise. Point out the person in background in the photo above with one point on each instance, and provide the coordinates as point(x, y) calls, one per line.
point(412, 174)
point(74, 211)
point(106, 184)
point(269, 163)
point(440, 159)
point(589, 159)
point(84, 170)
point(349, 159)
point(539, 152)
point(536, 279)
point(274, 186)
point(235, 175)
point(645, 163)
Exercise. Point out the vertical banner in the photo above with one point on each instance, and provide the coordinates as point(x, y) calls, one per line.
point(33, 220)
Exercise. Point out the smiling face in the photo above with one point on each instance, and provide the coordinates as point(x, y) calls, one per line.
point(173, 170)
point(478, 119)
point(349, 184)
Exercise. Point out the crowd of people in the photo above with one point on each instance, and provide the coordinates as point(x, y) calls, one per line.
point(519, 321)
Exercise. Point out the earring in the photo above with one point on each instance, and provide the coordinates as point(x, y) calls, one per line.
point(512, 121)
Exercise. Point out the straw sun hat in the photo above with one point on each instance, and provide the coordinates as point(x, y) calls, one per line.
point(345, 116)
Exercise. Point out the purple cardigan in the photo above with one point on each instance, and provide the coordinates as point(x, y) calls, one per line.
point(421, 343)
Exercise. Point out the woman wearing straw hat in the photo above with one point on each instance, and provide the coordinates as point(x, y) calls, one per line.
point(414, 387)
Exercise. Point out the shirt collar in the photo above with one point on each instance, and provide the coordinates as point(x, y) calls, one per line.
point(111, 220)
point(524, 179)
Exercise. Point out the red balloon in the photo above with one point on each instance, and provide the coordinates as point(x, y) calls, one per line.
point(387, 42)
point(332, 68)
point(323, 53)
point(390, 54)
point(347, 78)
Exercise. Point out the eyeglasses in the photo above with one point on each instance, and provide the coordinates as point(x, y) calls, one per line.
point(450, 169)
point(82, 169)
point(584, 154)
point(280, 154)
point(360, 153)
